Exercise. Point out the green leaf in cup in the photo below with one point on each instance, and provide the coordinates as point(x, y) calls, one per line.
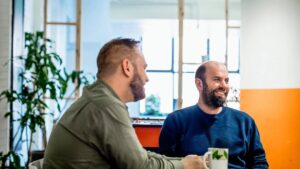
point(215, 155)
point(219, 154)
point(226, 154)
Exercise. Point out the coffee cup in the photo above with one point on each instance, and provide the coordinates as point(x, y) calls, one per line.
point(217, 158)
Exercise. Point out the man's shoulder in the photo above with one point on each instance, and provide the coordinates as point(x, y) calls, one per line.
point(101, 95)
point(241, 115)
point(183, 113)
point(94, 102)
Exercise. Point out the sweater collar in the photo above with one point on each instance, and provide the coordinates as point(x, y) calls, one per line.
point(219, 115)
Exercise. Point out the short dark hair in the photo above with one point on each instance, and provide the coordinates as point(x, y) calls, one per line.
point(200, 73)
point(113, 52)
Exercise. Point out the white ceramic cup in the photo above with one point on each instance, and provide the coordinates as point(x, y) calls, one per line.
point(217, 158)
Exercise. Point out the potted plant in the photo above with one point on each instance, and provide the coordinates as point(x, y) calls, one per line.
point(153, 105)
point(41, 78)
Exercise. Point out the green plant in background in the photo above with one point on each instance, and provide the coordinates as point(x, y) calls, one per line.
point(12, 157)
point(42, 78)
point(153, 105)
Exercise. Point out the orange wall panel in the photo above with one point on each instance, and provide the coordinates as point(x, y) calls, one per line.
point(148, 136)
point(277, 115)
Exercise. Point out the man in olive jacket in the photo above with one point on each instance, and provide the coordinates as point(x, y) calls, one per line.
point(96, 131)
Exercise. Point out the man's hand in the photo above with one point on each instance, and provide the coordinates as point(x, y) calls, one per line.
point(192, 162)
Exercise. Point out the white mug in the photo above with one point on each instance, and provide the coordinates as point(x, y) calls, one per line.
point(217, 158)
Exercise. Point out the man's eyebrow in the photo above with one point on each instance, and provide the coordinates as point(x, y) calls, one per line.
point(219, 77)
point(216, 76)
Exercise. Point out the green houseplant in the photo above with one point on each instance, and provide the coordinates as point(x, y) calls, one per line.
point(41, 78)
point(153, 105)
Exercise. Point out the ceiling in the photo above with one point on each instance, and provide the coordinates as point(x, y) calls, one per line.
point(167, 9)
point(149, 2)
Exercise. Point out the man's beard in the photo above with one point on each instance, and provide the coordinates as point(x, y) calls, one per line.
point(210, 99)
point(137, 87)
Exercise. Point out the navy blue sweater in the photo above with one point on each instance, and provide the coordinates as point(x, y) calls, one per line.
point(191, 131)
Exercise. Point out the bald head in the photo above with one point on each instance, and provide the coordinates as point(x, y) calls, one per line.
point(206, 66)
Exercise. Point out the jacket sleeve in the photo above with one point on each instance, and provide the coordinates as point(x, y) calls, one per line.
point(169, 139)
point(117, 141)
point(256, 158)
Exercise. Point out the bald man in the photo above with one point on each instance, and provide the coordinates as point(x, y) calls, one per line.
point(209, 123)
point(96, 131)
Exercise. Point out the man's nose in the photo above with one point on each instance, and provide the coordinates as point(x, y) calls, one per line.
point(224, 84)
point(147, 79)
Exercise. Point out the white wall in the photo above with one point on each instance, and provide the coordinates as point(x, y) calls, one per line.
point(5, 52)
point(270, 44)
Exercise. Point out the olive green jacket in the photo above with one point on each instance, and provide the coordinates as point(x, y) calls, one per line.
point(96, 133)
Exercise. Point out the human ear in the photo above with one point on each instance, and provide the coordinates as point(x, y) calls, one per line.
point(127, 67)
point(198, 83)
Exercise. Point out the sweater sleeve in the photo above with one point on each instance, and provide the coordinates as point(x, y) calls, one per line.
point(121, 146)
point(168, 139)
point(256, 158)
